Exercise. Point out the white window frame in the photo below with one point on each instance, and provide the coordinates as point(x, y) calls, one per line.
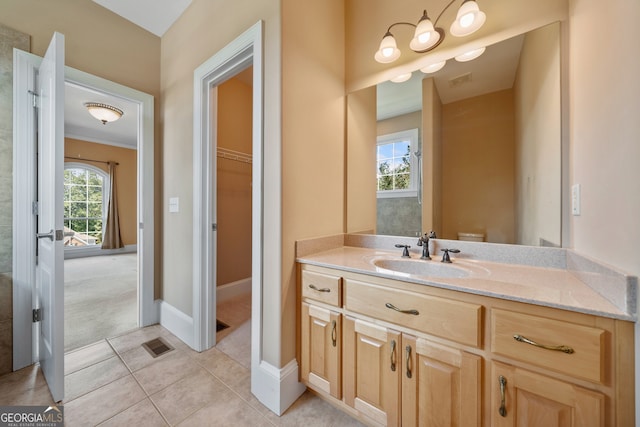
point(412, 136)
point(105, 198)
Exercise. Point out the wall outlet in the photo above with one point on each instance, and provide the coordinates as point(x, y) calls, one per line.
point(575, 199)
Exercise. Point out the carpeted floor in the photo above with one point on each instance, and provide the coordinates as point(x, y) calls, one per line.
point(100, 298)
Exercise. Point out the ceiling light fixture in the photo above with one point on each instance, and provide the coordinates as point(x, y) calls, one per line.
point(428, 36)
point(103, 112)
point(432, 68)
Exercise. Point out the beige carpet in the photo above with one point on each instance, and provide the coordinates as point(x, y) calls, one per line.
point(100, 298)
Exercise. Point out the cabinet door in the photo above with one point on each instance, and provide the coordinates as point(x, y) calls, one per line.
point(526, 399)
point(441, 386)
point(372, 367)
point(321, 348)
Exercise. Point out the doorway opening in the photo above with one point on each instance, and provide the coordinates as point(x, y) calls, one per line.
point(233, 214)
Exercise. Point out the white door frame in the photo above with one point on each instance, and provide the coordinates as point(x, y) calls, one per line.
point(24, 187)
point(235, 57)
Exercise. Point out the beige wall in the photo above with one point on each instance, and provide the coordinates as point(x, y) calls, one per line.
point(538, 144)
point(126, 178)
point(360, 156)
point(233, 199)
point(313, 132)
point(477, 167)
point(204, 29)
point(432, 158)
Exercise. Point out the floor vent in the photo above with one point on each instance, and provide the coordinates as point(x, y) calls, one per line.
point(220, 325)
point(157, 347)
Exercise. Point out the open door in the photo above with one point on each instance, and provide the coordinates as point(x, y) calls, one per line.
point(50, 259)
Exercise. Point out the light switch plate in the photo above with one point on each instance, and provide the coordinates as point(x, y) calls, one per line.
point(575, 199)
point(174, 204)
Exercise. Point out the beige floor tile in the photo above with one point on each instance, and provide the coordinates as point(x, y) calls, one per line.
point(139, 358)
point(167, 371)
point(25, 387)
point(136, 338)
point(103, 403)
point(142, 414)
point(229, 410)
point(237, 344)
point(93, 377)
point(87, 356)
point(311, 411)
point(185, 397)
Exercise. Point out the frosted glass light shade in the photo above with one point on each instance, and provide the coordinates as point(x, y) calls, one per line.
point(103, 112)
point(469, 19)
point(401, 78)
point(470, 55)
point(388, 51)
point(425, 35)
point(432, 68)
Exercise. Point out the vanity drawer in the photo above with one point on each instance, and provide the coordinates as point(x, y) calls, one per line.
point(584, 346)
point(446, 318)
point(322, 287)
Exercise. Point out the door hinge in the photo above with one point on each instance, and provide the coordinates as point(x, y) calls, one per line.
point(214, 227)
point(37, 314)
point(35, 99)
point(34, 208)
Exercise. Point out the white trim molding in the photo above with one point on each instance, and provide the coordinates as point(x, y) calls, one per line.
point(96, 250)
point(275, 388)
point(176, 322)
point(231, 290)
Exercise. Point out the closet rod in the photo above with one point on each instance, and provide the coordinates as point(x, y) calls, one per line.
point(89, 160)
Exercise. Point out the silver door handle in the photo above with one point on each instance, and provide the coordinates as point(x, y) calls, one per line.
point(57, 234)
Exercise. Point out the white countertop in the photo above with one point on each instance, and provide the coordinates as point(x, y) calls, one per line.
point(551, 287)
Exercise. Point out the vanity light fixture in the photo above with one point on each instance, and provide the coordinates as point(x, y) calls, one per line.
point(104, 112)
point(428, 36)
point(470, 55)
point(401, 78)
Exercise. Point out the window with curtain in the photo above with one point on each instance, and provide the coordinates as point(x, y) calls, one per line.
point(85, 204)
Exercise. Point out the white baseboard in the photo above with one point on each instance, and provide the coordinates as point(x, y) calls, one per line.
point(276, 388)
point(72, 253)
point(230, 290)
point(176, 322)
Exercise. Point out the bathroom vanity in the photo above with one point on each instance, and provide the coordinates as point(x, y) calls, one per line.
point(474, 343)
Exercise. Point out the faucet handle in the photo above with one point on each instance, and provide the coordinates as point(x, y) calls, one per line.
point(432, 235)
point(445, 255)
point(405, 251)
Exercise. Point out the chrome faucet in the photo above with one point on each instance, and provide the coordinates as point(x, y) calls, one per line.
point(445, 255)
point(424, 242)
point(405, 250)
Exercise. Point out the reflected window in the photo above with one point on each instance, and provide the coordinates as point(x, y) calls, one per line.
point(396, 164)
point(84, 205)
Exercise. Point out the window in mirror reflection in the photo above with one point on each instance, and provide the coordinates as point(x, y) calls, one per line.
point(396, 164)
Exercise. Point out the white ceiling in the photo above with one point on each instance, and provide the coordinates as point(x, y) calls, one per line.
point(155, 16)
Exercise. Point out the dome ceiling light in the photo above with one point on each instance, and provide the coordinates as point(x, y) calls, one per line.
point(104, 112)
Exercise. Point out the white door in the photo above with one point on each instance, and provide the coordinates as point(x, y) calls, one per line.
point(50, 261)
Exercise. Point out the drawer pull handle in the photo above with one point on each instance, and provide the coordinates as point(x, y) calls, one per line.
point(319, 290)
point(393, 355)
point(503, 407)
point(393, 307)
point(333, 332)
point(408, 361)
point(562, 348)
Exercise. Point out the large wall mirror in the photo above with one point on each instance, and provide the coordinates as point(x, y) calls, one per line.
point(488, 164)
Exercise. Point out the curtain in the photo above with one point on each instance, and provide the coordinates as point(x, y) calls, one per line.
point(112, 238)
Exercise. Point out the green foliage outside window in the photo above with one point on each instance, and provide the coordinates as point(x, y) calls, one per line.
point(83, 202)
point(394, 166)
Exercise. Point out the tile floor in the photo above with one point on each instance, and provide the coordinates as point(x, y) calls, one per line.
point(116, 382)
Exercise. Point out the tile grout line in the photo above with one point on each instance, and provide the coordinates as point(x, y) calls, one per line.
point(139, 385)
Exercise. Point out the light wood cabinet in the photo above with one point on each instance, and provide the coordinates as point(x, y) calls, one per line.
point(441, 385)
point(321, 341)
point(400, 354)
point(372, 367)
point(521, 398)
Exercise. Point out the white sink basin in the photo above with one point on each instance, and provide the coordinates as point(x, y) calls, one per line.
point(421, 267)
